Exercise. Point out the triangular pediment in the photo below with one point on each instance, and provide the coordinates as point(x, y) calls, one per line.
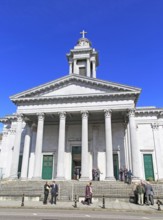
point(75, 85)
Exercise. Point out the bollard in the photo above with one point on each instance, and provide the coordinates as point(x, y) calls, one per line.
point(75, 202)
point(22, 200)
point(103, 202)
point(159, 204)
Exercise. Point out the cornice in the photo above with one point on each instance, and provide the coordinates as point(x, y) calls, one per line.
point(148, 111)
point(73, 78)
point(76, 98)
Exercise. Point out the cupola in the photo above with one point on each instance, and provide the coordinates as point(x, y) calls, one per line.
point(83, 59)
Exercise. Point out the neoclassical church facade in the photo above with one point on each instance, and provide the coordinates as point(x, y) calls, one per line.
point(79, 121)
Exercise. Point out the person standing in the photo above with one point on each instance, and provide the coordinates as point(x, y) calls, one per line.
point(46, 192)
point(91, 192)
point(87, 194)
point(140, 192)
point(54, 193)
point(149, 193)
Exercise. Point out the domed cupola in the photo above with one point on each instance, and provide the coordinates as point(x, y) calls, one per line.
point(83, 59)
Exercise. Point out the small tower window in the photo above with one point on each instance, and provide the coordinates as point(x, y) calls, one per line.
point(82, 71)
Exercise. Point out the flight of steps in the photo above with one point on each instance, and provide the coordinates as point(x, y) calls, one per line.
point(68, 189)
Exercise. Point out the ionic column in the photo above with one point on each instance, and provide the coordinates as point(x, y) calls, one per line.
point(158, 151)
point(16, 148)
point(94, 69)
point(84, 156)
point(61, 146)
point(109, 147)
point(38, 149)
point(26, 150)
point(136, 169)
point(88, 68)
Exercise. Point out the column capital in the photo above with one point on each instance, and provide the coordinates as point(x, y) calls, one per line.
point(41, 116)
point(131, 112)
point(154, 126)
point(107, 113)
point(19, 117)
point(84, 114)
point(62, 115)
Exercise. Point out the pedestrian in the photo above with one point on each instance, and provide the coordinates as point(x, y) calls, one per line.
point(46, 193)
point(149, 194)
point(87, 200)
point(129, 177)
point(54, 192)
point(140, 192)
point(121, 174)
point(125, 171)
point(98, 172)
point(91, 192)
point(93, 174)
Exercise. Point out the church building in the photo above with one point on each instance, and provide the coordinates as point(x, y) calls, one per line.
point(79, 122)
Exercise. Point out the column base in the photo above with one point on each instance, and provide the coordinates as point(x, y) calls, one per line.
point(159, 180)
point(36, 178)
point(13, 178)
point(60, 178)
point(110, 178)
point(84, 179)
point(23, 178)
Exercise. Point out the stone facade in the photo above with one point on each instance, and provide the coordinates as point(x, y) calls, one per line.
point(79, 121)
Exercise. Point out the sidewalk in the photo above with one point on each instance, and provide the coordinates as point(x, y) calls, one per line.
point(116, 205)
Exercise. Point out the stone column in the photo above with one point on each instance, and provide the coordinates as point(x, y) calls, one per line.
point(84, 156)
point(88, 68)
point(75, 67)
point(70, 67)
point(26, 150)
point(95, 137)
point(61, 146)
point(136, 168)
point(94, 69)
point(158, 152)
point(38, 149)
point(16, 147)
point(32, 152)
point(109, 147)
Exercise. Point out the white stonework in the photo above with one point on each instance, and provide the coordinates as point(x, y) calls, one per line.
point(81, 122)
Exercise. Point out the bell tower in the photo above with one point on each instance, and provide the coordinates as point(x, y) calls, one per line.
point(83, 59)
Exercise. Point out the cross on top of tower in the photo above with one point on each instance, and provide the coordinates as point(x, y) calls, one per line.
point(83, 33)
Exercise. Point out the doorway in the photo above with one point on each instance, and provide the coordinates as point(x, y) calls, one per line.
point(47, 167)
point(116, 166)
point(76, 162)
point(148, 167)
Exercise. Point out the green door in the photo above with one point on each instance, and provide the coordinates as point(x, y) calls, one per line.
point(148, 167)
point(47, 167)
point(116, 166)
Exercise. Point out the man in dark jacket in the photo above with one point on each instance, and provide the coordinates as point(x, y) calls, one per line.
point(46, 192)
point(54, 192)
point(149, 193)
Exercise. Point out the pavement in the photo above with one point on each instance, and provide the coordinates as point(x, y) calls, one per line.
point(112, 205)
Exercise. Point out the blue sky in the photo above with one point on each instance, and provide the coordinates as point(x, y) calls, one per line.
point(35, 36)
